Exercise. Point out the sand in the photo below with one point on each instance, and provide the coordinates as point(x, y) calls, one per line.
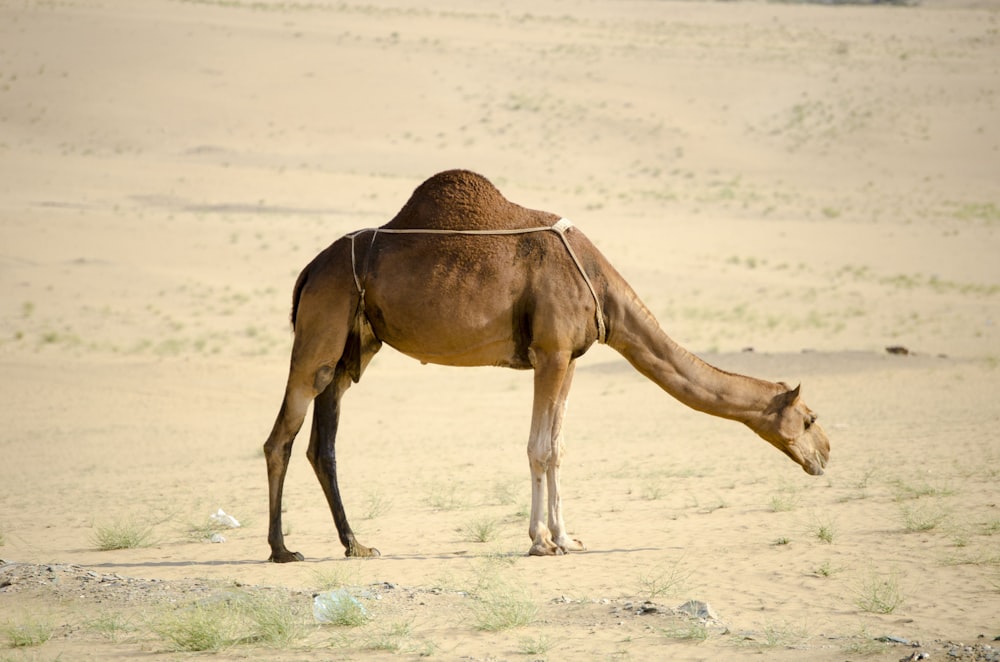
point(813, 182)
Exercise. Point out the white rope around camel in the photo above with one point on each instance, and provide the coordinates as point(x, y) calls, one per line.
point(560, 227)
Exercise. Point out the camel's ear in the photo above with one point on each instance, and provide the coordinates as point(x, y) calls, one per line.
point(783, 400)
point(792, 397)
point(790, 393)
point(788, 398)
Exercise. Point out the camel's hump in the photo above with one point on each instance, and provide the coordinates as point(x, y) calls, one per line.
point(464, 200)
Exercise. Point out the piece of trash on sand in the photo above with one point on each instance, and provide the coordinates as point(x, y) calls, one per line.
point(336, 606)
point(226, 520)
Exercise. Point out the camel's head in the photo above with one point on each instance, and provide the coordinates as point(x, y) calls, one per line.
point(791, 427)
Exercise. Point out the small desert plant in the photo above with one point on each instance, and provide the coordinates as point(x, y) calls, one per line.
point(122, 534)
point(539, 645)
point(975, 558)
point(503, 608)
point(199, 627)
point(206, 530)
point(903, 491)
point(988, 528)
point(786, 499)
point(826, 569)
point(860, 487)
point(112, 625)
point(864, 644)
point(271, 620)
point(865, 480)
point(334, 576)
point(690, 631)
point(825, 530)
point(391, 639)
point(652, 491)
point(783, 502)
point(921, 517)
point(30, 632)
point(480, 530)
point(879, 594)
point(213, 626)
point(783, 635)
point(501, 557)
point(497, 605)
point(376, 505)
point(663, 581)
point(445, 496)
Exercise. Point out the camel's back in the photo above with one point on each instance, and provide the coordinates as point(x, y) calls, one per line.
point(463, 200)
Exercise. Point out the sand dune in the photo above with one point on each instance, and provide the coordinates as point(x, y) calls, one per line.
point(813, 182)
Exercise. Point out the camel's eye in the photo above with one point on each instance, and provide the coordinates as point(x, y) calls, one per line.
point(810, 420)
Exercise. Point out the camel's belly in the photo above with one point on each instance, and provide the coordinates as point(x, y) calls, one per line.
point(455, 344)
point(500, 359)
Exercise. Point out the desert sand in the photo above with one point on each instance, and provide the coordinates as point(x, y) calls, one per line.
point(814, 182)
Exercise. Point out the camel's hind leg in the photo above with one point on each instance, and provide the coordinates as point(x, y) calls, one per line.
point(322, 317)
point(322, 456)
point(553, 377)
point(278, 449)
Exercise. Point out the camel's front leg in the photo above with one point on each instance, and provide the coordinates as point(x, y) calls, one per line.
point(553, 376)
point(557, 526)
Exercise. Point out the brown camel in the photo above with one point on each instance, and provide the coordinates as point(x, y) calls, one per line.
point(463, 277)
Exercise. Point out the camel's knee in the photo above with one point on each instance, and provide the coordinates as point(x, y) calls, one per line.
point(322, 378)
point(541, 451)
point(539, 461)
point(276, 456)
point(543, 457)
point(278, 446)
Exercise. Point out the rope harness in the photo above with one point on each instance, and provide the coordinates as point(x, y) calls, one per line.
point(560, 227)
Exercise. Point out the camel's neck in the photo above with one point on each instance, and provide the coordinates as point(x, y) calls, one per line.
point(636, 335)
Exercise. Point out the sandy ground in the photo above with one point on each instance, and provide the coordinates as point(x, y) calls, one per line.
point(814, 182)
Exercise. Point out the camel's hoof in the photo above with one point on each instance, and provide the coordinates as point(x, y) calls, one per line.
point(544, 549)
point(573, 545)
point(286, 557)
point(549, 548)
point(361, 552)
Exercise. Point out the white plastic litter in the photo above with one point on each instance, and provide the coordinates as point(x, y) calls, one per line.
point(330, 606)
point(225, 520)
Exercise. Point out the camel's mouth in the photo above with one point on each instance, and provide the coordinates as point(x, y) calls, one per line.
point(813, 468)
point(811, 451)
point(814, 460)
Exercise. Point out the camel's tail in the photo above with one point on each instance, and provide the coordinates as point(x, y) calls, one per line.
point(300, 283)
